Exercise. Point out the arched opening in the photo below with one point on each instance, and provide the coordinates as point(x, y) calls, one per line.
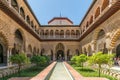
point(60, 52)
point(100, 41)
point(19, 43)
point(51, 54)
point(85, 51)
point(87, 24)
point(77, 52)
point(60, 55)
point(101, 34)
point(91, 20)
point(28, 19)
point(51, 33)
point(34, 51)
point(68, 54)
point(3, 50)
point(118, 51)
point(67, 34)
point(105, 4)
point(97, 13)
point(73, 34)
point(42, 52)
point(1, 54)
point(42, 33)
point(89, 51)
point(22, 13)
point(77, 33)
point(47, 34)
point(32, 25)
point(29, 54)
point(14, 4)
point(57, 34)
point(61, 34)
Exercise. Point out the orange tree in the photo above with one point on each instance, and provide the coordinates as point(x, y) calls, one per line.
point(99, 58)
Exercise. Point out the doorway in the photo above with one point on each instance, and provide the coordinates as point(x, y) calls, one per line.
point(1, 54)
point(60, 55)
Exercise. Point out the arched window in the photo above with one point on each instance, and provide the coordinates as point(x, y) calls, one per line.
point(42, 51)
point(28, 19)
point(105, 4)
point(51, 33)
point(19, 42)
point(67, 34)
point(46, 33)
point(73, 33)
point(77, 52)
point(22, 13)
point(101, 34)
point(61, 34)
point(68, 54)
point(57, 33)
point(97, 13)
point(32, 25)
point(77, 33)
point(1, 54)
point(34, 51)
point(42, 33)
point(14, 4)
point(91, 19)
point(87, 24)
point(51, 54)
point(29, 53)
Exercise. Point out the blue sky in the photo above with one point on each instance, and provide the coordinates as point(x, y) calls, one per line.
point(45, 10)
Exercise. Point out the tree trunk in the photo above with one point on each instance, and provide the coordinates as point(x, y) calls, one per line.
point(99, 69)
point(19, 67)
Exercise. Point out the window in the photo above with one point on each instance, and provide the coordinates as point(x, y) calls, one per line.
point(101, 34)
point(14, 4)
point(97, 13)
point(22, 12)
point(28, 19)
point(105, 4)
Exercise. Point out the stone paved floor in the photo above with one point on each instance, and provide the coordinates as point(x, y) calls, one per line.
point(60, 73)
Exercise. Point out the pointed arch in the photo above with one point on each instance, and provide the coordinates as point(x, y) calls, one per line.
point(68, 34)
point(73, 34)
point(29, 54)
point(115, 38)
point(105, 4)
point(51, 33)
point(22, 13)
point(77, 33)
point(97, 12)
point(14, 4)
point(62, 34)
point(28, 19)
point(57, 34)
point(5, 38)
point(91, 19)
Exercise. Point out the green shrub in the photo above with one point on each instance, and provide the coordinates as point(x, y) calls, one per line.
point(100, 59)
point(73, 60)
point(81, 59)
point(39, 60)
point(19, 59)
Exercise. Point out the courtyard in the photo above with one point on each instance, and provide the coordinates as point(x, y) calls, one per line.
point(59, 40)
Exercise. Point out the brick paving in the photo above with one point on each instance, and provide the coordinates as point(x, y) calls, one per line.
point(42, 75)
point(20, 78)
